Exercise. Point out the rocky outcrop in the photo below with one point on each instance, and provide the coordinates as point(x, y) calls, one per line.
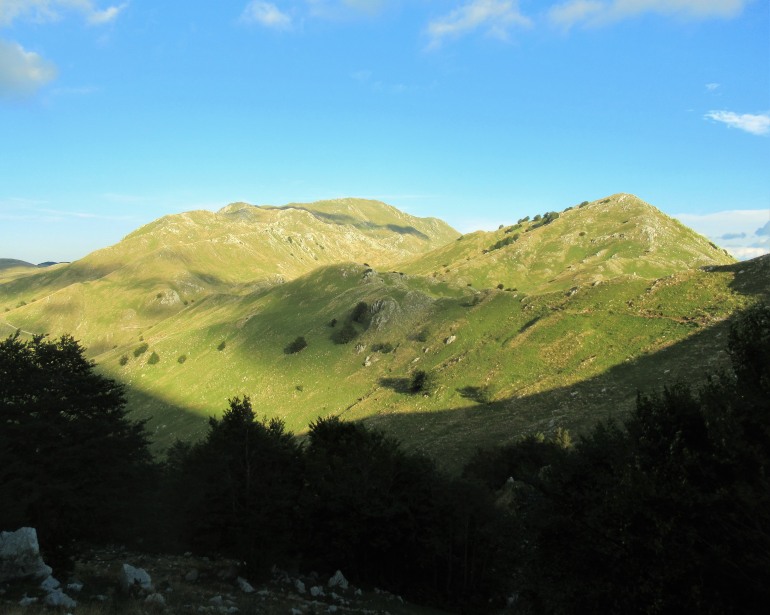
point(20, 556)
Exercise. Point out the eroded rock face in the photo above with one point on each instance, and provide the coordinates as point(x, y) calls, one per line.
point(20, 556)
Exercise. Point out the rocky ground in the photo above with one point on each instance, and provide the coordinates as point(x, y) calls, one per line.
point(117, 581)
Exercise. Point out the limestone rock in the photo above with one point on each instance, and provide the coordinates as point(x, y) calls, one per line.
point(58, 599)
point(131, 578)
point(20, 556)
point(338, 580)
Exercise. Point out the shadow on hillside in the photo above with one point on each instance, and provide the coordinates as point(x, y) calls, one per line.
point(452, 436)
point(752, 277)
point(343, 219)
point(166, 421)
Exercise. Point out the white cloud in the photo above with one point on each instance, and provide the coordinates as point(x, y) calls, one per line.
point(754, 124)
point(495, 17)
point(744, 253)
point(598, 12)
point(51, 10)
point(266, 14)
point(737, 231)
point(22, 72)
point(712, 87)
point(98, 18)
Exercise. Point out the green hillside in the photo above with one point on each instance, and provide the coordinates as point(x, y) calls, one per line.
point(554, 329)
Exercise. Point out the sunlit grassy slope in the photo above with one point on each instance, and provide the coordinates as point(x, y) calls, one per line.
point(581, 321)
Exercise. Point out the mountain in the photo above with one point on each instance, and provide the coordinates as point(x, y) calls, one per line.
point(12, 263)
point(553, 322)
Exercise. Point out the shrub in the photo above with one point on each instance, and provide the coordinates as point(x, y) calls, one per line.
point(360, 312)
point(344, 335)
point(222, 345)
point(182, 359)
point(300, 343)
point(384, 347)
point(141, 349)
point(154, 358)
point(421, 382)
point(123, 359)
point(333, 322)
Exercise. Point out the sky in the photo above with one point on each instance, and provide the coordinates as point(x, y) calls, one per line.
point(116, 112)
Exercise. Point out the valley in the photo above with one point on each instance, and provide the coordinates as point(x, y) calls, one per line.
point(554, 322)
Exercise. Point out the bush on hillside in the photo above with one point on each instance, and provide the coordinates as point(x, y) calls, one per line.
point(300, 343)
point(360, 313)
point(154, 359)
point(141, 349)
point(347, 333)
point(421, 382)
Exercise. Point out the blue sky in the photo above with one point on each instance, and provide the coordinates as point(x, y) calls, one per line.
point(113, 113)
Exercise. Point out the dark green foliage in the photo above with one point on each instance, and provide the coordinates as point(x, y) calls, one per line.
point(360, 313)
point(546, 219)
point(583, 204)
point(300, 343)
point(536, 218)
point(154, 358)
point(347, 333)
point(384, 347)
point(182, 358)
point(71, 464)
point(222, 345)
point(141, 349)
point(481, 395)
point(123, 360)
point(668, 512)
point(236, 491)
point(522, 220)
point(421, 382)
point(333, 322)
point(506, 241)
point(392, 520)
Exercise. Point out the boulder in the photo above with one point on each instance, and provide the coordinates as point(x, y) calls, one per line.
point(244, 585)
point(131, 579)
point(50, 584)
point(338, 580)
point(20, 556)
point(58, 599)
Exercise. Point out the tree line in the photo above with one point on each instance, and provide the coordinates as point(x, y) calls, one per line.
point(665, 512)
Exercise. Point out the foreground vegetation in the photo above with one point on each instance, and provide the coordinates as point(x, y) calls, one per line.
point(665, 512)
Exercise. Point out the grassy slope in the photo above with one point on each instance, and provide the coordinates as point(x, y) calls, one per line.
point(571, 345)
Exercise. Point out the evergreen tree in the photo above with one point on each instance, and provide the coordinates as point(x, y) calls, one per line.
point(70, 461)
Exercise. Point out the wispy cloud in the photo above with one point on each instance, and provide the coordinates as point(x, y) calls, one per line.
point(22, 72)
point(266, 14)
point(493, 17)
point(52, 10)
point(712, 87)
point(755, 124)
point(600, 12)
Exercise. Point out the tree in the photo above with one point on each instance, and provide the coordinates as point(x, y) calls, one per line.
point(670, 511)
point(236, 491)
point(70, 460)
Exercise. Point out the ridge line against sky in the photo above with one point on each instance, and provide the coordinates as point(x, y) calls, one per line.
point(474, 111)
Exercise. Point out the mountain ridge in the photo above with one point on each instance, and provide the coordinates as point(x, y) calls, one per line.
point(489, 335)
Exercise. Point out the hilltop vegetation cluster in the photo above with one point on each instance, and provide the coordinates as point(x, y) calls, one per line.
point(666, 511)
